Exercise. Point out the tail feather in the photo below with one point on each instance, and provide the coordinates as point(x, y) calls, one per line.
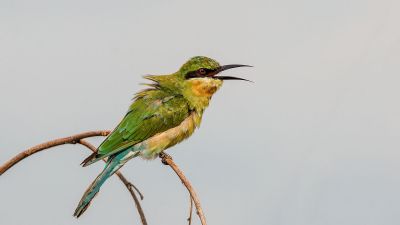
point(114, 163)
point(111, 167)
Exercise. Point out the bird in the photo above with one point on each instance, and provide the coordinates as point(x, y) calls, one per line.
point(161, 116)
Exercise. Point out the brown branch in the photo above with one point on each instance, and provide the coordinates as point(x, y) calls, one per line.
point(60, 141)
point(190, 210)
point(74, 140)
point(167, 160)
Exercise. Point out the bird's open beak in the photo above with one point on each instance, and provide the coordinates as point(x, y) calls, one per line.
point(227, 67)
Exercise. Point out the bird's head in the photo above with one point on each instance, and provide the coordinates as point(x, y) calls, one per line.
point(197, 79)
point(201, 75)
point(204, 67)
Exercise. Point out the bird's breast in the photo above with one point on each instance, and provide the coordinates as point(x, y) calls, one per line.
point(161, 141)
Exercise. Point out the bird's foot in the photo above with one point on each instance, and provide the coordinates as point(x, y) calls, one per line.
point(164, 157)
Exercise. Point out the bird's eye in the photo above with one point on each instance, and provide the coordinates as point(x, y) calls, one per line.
point(202, 71)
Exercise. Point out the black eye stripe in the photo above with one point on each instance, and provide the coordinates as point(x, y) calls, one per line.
point(202, 72)
point(191, 74)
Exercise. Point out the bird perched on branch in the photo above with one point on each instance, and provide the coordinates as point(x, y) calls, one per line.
point(160, 117)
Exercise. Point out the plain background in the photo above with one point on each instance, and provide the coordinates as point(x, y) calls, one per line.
point(314, 141)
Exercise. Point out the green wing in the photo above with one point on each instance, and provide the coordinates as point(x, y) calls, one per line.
point(154, 111)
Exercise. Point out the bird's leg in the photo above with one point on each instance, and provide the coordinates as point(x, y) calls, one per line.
point(164, 157)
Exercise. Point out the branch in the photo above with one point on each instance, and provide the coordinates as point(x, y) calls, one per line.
point(190, 210)
point(60, 141)
point(167, 160)
point(74, 140)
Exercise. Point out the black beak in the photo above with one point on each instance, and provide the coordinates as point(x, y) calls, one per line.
point(227, 67)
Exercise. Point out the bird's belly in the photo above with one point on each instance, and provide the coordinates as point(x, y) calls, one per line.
point(161, 141)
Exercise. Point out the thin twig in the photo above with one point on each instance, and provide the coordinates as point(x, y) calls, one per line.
point(167, 160)
point(190, 210)
point(74, 140)
point(131, 189)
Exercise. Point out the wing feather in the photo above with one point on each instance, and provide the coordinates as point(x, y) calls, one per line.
point(153, 112)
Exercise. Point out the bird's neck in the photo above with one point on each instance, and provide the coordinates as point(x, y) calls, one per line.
point(199, 91)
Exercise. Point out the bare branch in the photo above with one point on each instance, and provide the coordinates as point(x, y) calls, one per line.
point(167, 160)
point(76, 139)
point(60, 141)
point(190, 210)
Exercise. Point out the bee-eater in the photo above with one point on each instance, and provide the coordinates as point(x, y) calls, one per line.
point(159, 117)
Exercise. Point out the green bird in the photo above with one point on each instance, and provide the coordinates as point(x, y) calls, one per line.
point(160, 117)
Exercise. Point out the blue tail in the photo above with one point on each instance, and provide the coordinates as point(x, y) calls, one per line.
point(111, 167)
point(114, 163)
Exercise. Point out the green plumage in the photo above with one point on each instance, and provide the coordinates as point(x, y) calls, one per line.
point(153, 111)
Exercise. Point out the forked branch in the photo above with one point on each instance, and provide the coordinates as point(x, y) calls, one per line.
point(76, 139)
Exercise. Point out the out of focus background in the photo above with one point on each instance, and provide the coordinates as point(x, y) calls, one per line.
point(314, 141)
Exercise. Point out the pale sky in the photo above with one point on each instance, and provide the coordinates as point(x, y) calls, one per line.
point(314, 141)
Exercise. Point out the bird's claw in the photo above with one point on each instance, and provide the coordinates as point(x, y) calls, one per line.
point(164, 157)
